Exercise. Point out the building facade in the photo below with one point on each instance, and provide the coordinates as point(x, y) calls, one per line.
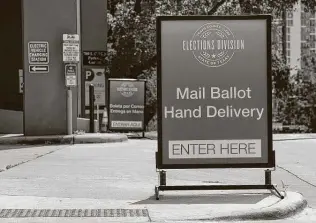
point(296, 35)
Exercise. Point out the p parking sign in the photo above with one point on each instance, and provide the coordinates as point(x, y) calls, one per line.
point(214, 92)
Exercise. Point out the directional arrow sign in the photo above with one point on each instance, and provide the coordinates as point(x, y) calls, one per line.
point(38, 68)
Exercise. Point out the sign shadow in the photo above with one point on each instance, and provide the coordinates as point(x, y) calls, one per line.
point(235, 198)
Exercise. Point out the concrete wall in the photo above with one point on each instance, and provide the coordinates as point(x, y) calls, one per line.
point(93, 25)
point(45, 94)
point(93, 35)
point(10, 55)
point(11, 122)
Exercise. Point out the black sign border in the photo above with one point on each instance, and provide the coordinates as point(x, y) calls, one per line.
point(108, 105)
point(271, 152)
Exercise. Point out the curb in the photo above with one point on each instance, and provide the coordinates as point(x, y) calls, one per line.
point(36, 140)
point(99, 138)
point(61, 140)
point(152, 135)
point(283, 209)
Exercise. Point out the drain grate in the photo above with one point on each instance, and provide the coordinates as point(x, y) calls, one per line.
point(62, 213)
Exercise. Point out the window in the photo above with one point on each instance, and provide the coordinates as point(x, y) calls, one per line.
point(303, 22)
point(288, 29)
point(290, 15)
point(288, 60)
point(312, 44)
point(306, 38)
point(305, 51)
point(288, 53)
point(289, 22)
point(312, 23)
point(288, 37)
point(312, 38)
point(304, 45)
point(304, 33)
point(288, 45)
point(312, 29)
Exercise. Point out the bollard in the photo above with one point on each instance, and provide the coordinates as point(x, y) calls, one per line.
point(91, 105)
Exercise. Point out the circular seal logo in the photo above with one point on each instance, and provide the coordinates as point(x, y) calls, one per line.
point(127, 89)
point(213, 44)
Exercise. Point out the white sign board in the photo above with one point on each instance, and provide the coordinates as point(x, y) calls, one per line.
point(95, 76)
point(71, 75)
point(71, 48)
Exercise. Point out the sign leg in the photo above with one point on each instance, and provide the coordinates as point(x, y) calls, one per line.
point(157, 192)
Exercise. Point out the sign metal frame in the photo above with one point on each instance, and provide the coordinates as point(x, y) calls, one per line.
point(108, 105)
point(159, 154)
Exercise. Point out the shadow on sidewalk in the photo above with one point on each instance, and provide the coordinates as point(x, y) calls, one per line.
point(8, 147)
point(238, 198)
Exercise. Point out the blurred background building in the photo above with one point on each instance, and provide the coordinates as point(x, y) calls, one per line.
point(295, 35)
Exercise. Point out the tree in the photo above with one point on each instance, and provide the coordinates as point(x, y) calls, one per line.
point(132, 34)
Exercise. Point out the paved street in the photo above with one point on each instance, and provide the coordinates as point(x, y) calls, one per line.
point(108, 175)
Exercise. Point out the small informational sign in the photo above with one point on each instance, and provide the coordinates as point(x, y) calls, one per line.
point(38, 69)
point(95, 76)
point(214, 92)
point(94, 58)
point(21, 81)
point(126, 104)
point(71, 75)
point(38, 52)
point(71, 48)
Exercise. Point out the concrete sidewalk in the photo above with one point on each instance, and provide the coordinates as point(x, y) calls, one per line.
point(13, 139)
point(115, 183)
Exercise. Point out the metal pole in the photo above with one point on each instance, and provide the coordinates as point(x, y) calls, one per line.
point(98, 118)
point(91, 104)
point(69, 111)
point(79, 75)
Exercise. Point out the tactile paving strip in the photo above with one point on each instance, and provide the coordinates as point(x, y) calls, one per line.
point(45, 213)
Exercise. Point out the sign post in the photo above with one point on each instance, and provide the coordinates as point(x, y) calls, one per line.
point(126, 105)
point(71, 55)
point(214, 93)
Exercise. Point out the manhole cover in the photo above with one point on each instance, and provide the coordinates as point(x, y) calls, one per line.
point(33, 213)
